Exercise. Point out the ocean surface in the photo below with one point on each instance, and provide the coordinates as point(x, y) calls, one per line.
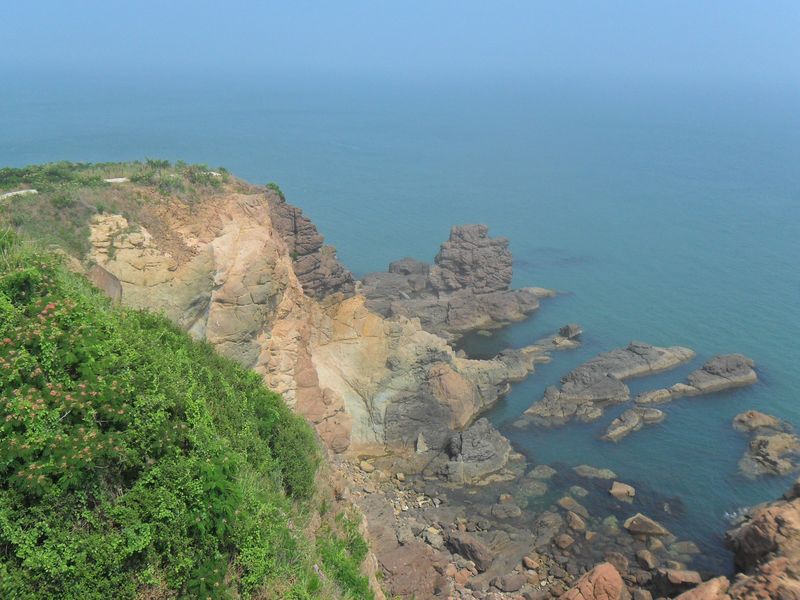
point(662, 214)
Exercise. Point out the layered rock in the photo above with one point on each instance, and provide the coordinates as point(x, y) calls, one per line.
point(314, 263)
point(724, 372)
point(467, 288)
point(585, 391)
point(773, 448)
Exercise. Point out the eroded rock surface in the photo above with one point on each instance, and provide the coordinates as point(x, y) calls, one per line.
point(585, 391)
point(466, 289)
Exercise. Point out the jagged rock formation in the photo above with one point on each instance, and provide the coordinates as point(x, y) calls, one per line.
point(467, 288)
point(599, 382)
point(773, 450)
point(724, 372)
point(315, 264)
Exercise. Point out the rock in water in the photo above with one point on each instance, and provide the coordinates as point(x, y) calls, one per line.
point(773, 449)
point(622, 491)
point(467, 288)
point(599, 382)
point(724, 372)
point(640, 524)
point(632, 420)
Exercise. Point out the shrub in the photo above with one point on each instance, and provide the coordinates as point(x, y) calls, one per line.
point(135, 457)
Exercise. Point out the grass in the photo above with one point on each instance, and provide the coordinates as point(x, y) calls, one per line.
point(71, 193)
point(137, 463)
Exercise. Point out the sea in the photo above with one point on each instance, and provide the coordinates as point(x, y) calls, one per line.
point(663, 213)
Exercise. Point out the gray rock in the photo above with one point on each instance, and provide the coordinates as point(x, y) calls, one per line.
point(467, 289)
point(724, 372)
point(315, 264)
point(476, 452)
point(632, 420)
point(599, 382)
point(512, 582)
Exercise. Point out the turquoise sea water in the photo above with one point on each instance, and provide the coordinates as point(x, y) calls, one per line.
point(667, 216)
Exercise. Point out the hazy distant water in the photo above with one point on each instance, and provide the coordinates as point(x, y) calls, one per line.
point(665, 216)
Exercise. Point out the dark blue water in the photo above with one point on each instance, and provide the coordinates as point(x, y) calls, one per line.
point(667, 216)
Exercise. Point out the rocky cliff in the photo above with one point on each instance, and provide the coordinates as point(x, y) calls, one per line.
point(250, 274)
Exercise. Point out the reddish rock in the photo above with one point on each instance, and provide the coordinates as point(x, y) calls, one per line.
point(603, 582)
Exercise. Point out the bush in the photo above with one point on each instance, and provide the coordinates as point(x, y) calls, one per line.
point(136, 459)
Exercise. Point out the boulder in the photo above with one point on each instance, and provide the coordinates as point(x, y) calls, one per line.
point(471, 548)
point(476, 452)
point(674, 581)
point(622, 491)
point(713, 589)
point(640, 524)
point(512, 582)
point(603, 582)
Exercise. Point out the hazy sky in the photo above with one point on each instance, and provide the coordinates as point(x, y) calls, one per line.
point(750, 42)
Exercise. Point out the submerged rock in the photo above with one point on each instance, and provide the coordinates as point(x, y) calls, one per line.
point(593, 472)
point(622, 491)
point(599, 382)
point(640, 524)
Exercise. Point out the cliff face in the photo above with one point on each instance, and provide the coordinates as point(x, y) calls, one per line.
point(250, 274)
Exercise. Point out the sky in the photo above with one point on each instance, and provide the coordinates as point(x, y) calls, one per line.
point(748, 42)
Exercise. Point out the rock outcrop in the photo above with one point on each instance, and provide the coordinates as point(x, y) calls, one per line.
point(314, 263)
point(767, 550)
point(466, 289)
point(250, 274)
point(724, 372)
point(599, 382)
point(773, 449)
point(477, 451)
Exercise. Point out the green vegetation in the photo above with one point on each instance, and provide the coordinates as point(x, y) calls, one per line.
point(137, 463)
point(275, 188)
point(71, 193)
